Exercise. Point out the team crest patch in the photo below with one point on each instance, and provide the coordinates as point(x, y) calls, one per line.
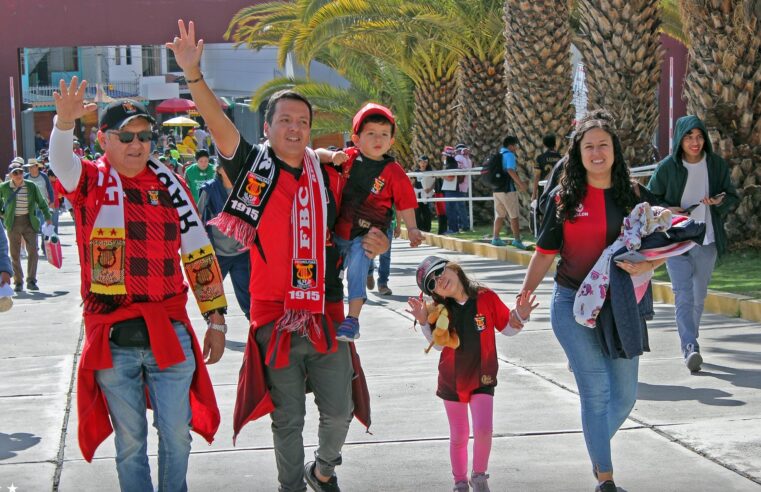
point(486, 379)
point(204, 276)
point(153, 197)
point(378, 185)
point(108, 261)
point(480, 320)
point(304, 275)
point(255, 186)
point(128, 107)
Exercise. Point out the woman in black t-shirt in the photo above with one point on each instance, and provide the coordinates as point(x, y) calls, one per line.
point(583, 217)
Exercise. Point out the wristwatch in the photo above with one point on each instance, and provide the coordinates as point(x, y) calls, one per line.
point(218, 327)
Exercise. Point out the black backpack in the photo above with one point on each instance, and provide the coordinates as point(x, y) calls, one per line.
point(492, 174)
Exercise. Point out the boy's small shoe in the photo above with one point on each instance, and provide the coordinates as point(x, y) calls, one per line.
point(370, 281)
point(348, 330)
point(329, 486)
point(384, 290)
point(518, 244)
point(498, 242)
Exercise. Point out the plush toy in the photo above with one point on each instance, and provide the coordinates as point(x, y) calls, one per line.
point(438, 319)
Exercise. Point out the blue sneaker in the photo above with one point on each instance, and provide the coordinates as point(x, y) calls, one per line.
point(518, 244)
point(498, 242)
point(348, 330)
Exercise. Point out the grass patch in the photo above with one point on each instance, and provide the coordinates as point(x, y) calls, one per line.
point(484, 233)
point(738, 272)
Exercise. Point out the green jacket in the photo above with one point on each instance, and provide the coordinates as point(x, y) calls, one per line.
point(36, 200)
point(670, 177)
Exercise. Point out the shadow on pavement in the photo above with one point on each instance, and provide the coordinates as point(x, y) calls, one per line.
point(39, 294)
point(19, 441)
point(669, 392)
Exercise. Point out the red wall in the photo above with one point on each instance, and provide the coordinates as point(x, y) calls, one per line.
point(676, 50)
point(49, 23)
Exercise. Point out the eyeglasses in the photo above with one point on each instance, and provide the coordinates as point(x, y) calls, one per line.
point(430, 282)
point(128, 137)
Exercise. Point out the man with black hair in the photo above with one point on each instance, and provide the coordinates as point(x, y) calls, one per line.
point(506, 199)
point(199, 173)
point(544, 163)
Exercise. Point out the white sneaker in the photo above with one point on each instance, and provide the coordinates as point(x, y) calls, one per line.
point(692, 359)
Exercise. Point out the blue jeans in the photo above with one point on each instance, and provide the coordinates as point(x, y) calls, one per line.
point(453, 211)
point(384, 261)
point(123, 385)
point(690, 274)
point(239, 268)
point(357, 266)
point(607, 387)
point(462, 210)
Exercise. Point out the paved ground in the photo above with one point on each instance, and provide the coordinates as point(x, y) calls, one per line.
point(686, 433)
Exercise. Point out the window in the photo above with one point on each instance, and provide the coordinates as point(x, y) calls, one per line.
point(151, 61)
point(63, 60)
point(171, 62)
point(128, 57)
point(117, 55)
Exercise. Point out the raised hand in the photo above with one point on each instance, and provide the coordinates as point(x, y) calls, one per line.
point(525, 304)
point(417, 309)
point(70, 102)
point(186, 51)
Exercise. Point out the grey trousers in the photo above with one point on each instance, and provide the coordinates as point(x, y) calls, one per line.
point(23, 231)
point(329, 378)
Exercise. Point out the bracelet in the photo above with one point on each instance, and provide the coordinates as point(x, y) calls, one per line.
point(207, 314)
point(218, 327)
point(518, 315)
point(200, 78)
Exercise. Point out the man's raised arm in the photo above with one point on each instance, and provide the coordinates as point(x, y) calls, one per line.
point(188, 55)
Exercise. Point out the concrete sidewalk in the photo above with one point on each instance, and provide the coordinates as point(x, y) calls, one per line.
point(687, 432)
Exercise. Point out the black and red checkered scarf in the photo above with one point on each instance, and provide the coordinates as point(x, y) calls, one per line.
point(108, 239)
point(305, 298)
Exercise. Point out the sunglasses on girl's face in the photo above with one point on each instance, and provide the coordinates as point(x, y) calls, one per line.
point(128, 137)
point(430, 283)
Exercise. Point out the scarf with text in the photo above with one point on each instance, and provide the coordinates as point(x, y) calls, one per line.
point(108, 239)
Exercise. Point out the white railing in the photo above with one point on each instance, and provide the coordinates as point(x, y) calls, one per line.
point(636, 172)
point(44, 93)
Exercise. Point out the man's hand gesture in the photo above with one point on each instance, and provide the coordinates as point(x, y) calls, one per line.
point(186, 51)
point(70, 103)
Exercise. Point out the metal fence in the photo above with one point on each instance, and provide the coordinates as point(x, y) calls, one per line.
point(636, 172)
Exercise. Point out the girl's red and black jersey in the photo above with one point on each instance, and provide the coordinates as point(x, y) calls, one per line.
point(471, 368)
point(372, 188)
point(153, 272)
point(580, 241)
point(270, 275)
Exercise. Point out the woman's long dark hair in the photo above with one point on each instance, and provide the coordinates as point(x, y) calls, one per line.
point(573, 177)
point(471, 287)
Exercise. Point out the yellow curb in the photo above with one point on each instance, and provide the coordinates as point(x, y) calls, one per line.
point(725, 303)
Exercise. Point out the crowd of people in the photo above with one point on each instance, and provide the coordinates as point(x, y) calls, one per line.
point(283, 220)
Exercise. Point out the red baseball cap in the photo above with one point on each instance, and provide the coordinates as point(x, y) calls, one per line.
point(370, 109)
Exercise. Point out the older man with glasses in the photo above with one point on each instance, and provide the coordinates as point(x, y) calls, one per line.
point(20, 199)
point(133, 215)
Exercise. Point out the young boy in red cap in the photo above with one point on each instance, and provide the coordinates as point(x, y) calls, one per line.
point(374, 183)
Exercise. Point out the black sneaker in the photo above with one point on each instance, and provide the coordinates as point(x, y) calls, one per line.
point(329, 486)
point(32, 285)
point(18, 287)
point(606, 486)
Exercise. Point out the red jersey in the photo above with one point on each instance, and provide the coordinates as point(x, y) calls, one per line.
point(153, 272)
point(471, 368)
point(372, 188)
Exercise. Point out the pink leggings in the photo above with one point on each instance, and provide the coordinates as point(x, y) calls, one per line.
point(482, 409)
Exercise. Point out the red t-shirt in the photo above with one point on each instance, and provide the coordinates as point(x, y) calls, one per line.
point(471, 368)
point(153, 270)
point(372, 188)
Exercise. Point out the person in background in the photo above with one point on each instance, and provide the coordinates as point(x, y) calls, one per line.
point(694, 175)
point(199, 173)
point(424, 188)
point(467, 370)
point(449, 187)
point(462, 156)
point(544, 163)
point(232, 256)
point(6, 267)
point(506, 204)
point(20, 200)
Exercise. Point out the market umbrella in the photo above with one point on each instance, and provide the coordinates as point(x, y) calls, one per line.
point(176, 105)
point(181, 121)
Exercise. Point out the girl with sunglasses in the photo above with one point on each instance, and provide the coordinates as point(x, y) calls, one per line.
point(468, 373)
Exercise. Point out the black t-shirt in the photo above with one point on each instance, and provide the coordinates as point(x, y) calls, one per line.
point(545, 162)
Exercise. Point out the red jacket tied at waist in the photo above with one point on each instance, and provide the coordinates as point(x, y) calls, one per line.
point(94, 423)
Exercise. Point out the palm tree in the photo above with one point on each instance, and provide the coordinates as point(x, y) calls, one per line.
point(537, 73)
point(722, 88)
point(620, 46)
